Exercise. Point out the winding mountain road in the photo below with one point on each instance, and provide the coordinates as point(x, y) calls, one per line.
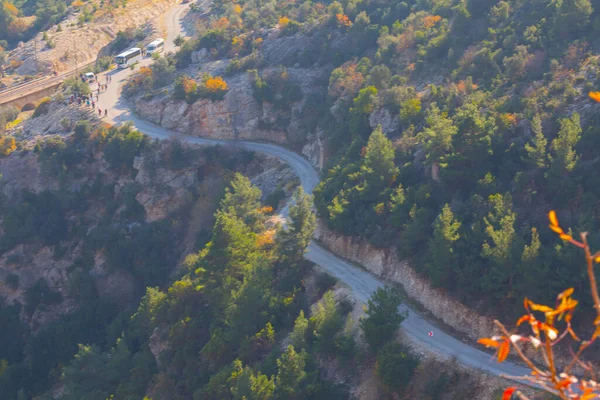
point(360, 282)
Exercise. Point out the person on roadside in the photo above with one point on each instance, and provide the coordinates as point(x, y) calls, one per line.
point(99, 111)
point(105, 112)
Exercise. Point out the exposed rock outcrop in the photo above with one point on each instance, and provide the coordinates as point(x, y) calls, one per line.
point(383, 117)
point(386, 264)
point(239, 115)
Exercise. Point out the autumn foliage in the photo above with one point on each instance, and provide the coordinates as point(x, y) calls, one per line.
point(343, 20)
point(215, 84)
point(221, 23)
point(345, 80)
point(8, 144)
point(595, 96)
point(544, 334)
point(430, 21)
point(283, 22)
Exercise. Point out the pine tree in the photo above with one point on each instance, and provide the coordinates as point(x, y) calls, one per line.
point(382, 317)
point(248, 385)
point(296, 238)
point(537, 150)
point(242, 199)
point(443, 258)
point(437, 137)
point(379, 156)
point(298, 335)
point(500, 249)
point(290, 373)
point(564, 157)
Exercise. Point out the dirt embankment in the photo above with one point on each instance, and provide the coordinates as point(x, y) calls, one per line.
point(72, 45)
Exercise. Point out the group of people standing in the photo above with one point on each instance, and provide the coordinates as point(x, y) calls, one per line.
point(88, 100)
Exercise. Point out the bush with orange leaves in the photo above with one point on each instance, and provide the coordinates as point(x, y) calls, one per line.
point(343, 20)
point(221, 23)
point(430, 21)
point(545, 334)
point(216, 84)
point(213, 88)
point(283, 21)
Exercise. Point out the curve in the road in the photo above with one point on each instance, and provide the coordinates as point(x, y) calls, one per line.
point(361, 282)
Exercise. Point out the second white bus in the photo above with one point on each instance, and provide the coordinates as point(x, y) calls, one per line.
point(129, 57)
point(156, 46)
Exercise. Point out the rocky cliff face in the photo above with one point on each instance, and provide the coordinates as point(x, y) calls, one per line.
point(386, 264)
point(239, 115)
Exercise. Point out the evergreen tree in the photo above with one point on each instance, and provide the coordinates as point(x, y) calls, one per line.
point(379, 156)
point(563, 157)
point(290, 374)
point(298, 335)
point(399, 208)
point(395, 366)
point(247, 385)
point(382, 317)
point(326, 322)
point(437, 137)
point(296, 238)
point(572, 16)
point(242, 199)
point(537, 150)
point(500, 249)
point(443, 259)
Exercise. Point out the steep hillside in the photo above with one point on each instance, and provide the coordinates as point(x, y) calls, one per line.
point(485, 125)
point(89, 220)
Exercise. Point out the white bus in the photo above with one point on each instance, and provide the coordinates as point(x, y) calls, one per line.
point(129, 57)
point(156, 46)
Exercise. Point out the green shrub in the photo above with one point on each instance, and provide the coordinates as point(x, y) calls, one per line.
point(395, 366)
point(83, 129)
point(76, 86)
point(324, 282)
point(274, 198)
point(103, 64)
point(42, 108)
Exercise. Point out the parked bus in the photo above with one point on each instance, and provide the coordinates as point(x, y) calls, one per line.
point(129, 57)
point(156, 46)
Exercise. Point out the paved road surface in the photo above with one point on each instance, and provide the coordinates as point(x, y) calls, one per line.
point(362, 283)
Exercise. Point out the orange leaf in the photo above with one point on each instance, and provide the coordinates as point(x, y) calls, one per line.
point(595, 96)
point(523, 319)
point(552, 218)
point(556, 229)
point(589, 396)
point(540, 307)
point(566, 293)
point(565, 383)
point(564, 236)
point(488, 342)
point(503, 351)
point(508, 393)
point(596, 333)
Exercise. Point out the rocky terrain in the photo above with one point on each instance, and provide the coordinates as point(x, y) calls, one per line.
point(75, 44)
point(187, 196)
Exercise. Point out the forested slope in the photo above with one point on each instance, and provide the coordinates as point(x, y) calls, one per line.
point(485, 118)
point(479, 101)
